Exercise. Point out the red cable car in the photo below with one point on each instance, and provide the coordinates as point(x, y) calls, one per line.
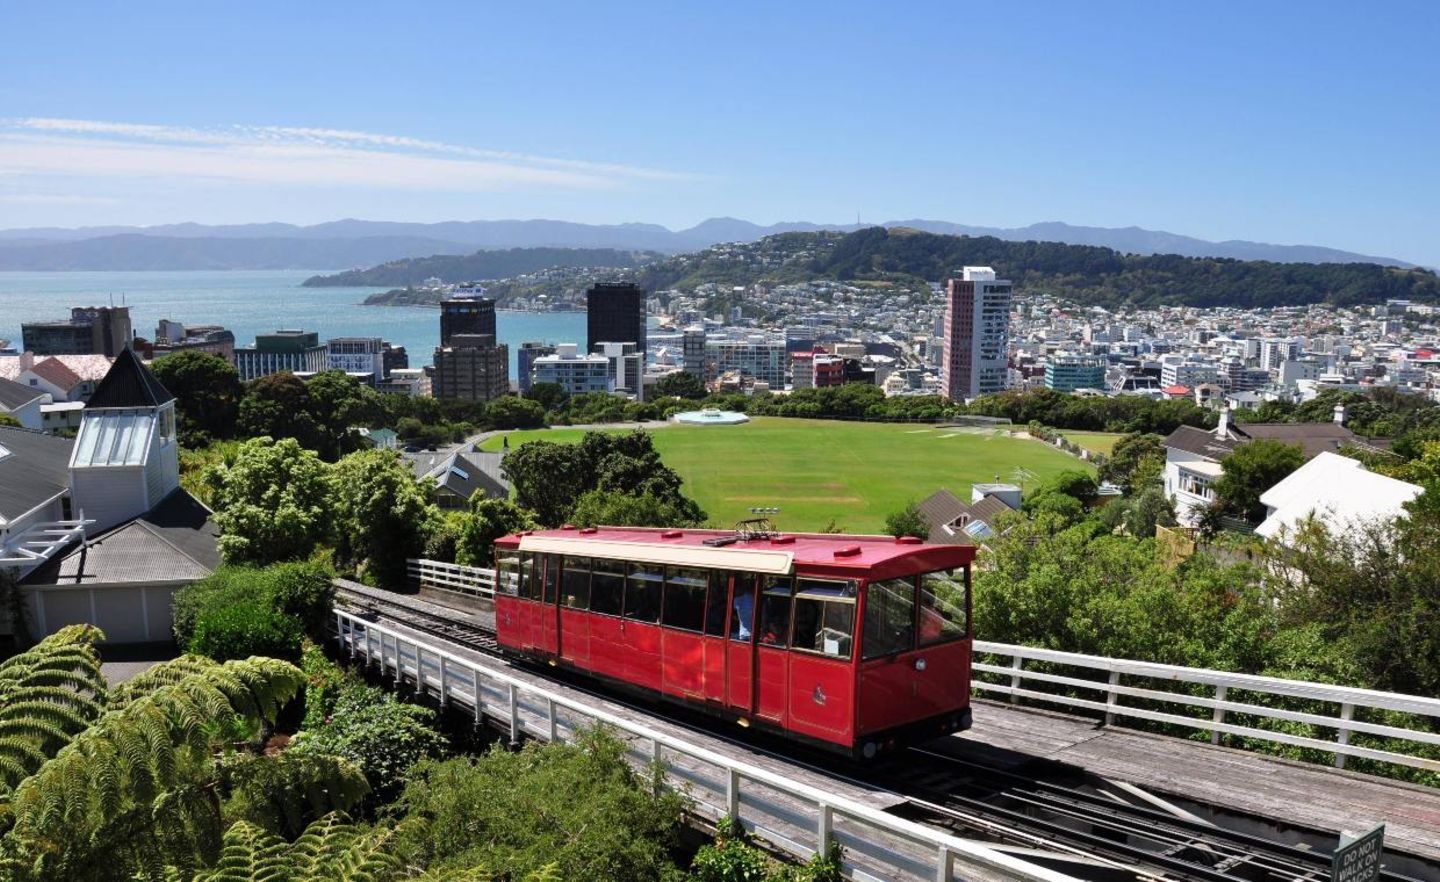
point(852, 643)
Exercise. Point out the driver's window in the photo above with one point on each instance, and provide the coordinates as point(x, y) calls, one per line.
point(889, 618)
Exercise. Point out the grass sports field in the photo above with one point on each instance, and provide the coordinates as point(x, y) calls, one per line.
point(1095, 442)
point(816, 470)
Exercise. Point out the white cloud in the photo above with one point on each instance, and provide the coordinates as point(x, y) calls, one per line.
point(290, 156)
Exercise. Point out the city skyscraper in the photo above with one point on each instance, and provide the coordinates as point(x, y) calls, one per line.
point(977, 334)
point(615, 313)
point(466, 311)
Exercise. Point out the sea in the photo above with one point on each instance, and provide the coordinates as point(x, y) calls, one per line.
point(251, 302)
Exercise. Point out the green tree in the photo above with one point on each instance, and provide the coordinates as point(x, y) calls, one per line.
point(600, 507)
point(272, 502)
point(337, 402)
point(133, 789)
point(382, 515)
point(488, 520)
point(551, 396)
point(681, 384)
point(207, 390)
point(907, 522)
point(1148, 510)
point(512, 412)
point(1137, 460)
point(580, 806)
point(278, 406)
point(1249, 471)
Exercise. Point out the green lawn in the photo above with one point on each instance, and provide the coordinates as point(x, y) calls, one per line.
point(1095, 442)
point(816, 470)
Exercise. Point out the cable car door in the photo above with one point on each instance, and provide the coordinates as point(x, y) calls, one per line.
point(740, 646)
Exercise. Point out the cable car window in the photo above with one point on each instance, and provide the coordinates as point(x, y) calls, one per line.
point(742, 618)
point(684, 599)
point(715, 613)
point(889, 618)
point(534, 577)
point(775, 612)
point(942, 607)
point(825, 618)
point(642, 592)
point(607, 587)
point(575, 583)
point(507, 572)
point(552, 575)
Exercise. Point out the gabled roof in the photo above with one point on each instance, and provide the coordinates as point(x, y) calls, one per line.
point(1336, 490)
point(466, 474)
point(56, 372)
point(14, 396)
point(1201, 442)
point(1313, 438)
point(175, 541)
point(129, 384)
point(34, 468)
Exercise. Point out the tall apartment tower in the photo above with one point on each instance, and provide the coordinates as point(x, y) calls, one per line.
point(615, 313)
point(977, 335)
point(466, 311)
point(90, 330)
point(472, 368)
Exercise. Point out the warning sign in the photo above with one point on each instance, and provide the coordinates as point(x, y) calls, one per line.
point(1358, 857)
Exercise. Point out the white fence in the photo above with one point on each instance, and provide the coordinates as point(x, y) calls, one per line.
point(1112, 691)
point(795, 817)
point(471, 581)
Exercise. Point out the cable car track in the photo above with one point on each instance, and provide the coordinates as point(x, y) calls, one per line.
point(1118, 839)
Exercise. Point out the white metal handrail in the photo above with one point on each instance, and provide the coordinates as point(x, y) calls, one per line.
point(1346, 699)
point(474, 581)
point(878, 845)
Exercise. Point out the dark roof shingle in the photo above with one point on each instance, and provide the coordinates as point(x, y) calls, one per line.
point(129, 384)
point(175, 541)
point(15, 395)
point(34, 468)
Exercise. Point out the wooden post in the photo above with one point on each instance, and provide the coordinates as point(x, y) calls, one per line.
point(444, 695)
point(1110, 698)
point(823, 828)
point(1219, 716)
point(1342, 736)
point(944, 865)
point(550, 717)
point(1017, 664)
point(514, 716)
point(475, 693)
point(732, 795)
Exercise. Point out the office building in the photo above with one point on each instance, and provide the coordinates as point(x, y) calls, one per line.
point(525, 362)
point(692, 350)
point(292, 351)
point(1065, 372)
point(615, 313)
point(977, 331)
point(360, 357)
point(90, 330)
point(754, 357)
point(572, 371)
point(172, 337)
point(626, 367)
point(395, 358)
point(1274, 350)
point(472, 368)
point(1190, 371)
point(466, 311)
point(816, 370)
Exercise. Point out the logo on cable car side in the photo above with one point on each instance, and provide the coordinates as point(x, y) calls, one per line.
point(818, 696)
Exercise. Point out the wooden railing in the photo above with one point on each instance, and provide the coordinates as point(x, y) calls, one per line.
point(471, 581)
point(1123, 688)
point(794, 817)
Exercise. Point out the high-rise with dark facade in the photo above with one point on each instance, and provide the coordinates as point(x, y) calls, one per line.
point(977, 335)
point(615, 313)
point(472, 368)
point(91, 330)
point(466, 311)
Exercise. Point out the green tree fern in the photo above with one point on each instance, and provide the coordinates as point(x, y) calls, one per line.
point(48, 695)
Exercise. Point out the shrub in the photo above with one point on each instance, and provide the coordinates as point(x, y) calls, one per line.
point(246, 629)
point(377, 732)
point(303, 590)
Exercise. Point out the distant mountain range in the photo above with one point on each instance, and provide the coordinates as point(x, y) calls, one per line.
point(358, 243)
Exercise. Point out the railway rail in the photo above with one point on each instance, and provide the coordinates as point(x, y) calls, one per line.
point(1056, 817)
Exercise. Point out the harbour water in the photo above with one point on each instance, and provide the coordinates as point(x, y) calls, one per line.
point(256, 301)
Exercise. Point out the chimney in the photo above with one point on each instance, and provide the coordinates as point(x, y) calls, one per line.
point(1340, 414)
point(27, 360)
point(1222, 429)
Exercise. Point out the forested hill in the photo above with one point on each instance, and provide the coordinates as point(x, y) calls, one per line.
point(1088, 274)
point(480, 265)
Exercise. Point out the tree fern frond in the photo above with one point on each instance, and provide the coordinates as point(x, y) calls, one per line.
point(249, 854)
point(48, 695)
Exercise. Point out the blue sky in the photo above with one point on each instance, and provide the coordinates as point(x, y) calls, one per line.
point(1293, 122)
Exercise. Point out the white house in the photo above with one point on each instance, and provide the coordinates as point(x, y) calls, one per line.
point(1336, 490)
point(23, 403)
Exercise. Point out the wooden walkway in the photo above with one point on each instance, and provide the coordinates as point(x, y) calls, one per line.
point(1229, 780)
